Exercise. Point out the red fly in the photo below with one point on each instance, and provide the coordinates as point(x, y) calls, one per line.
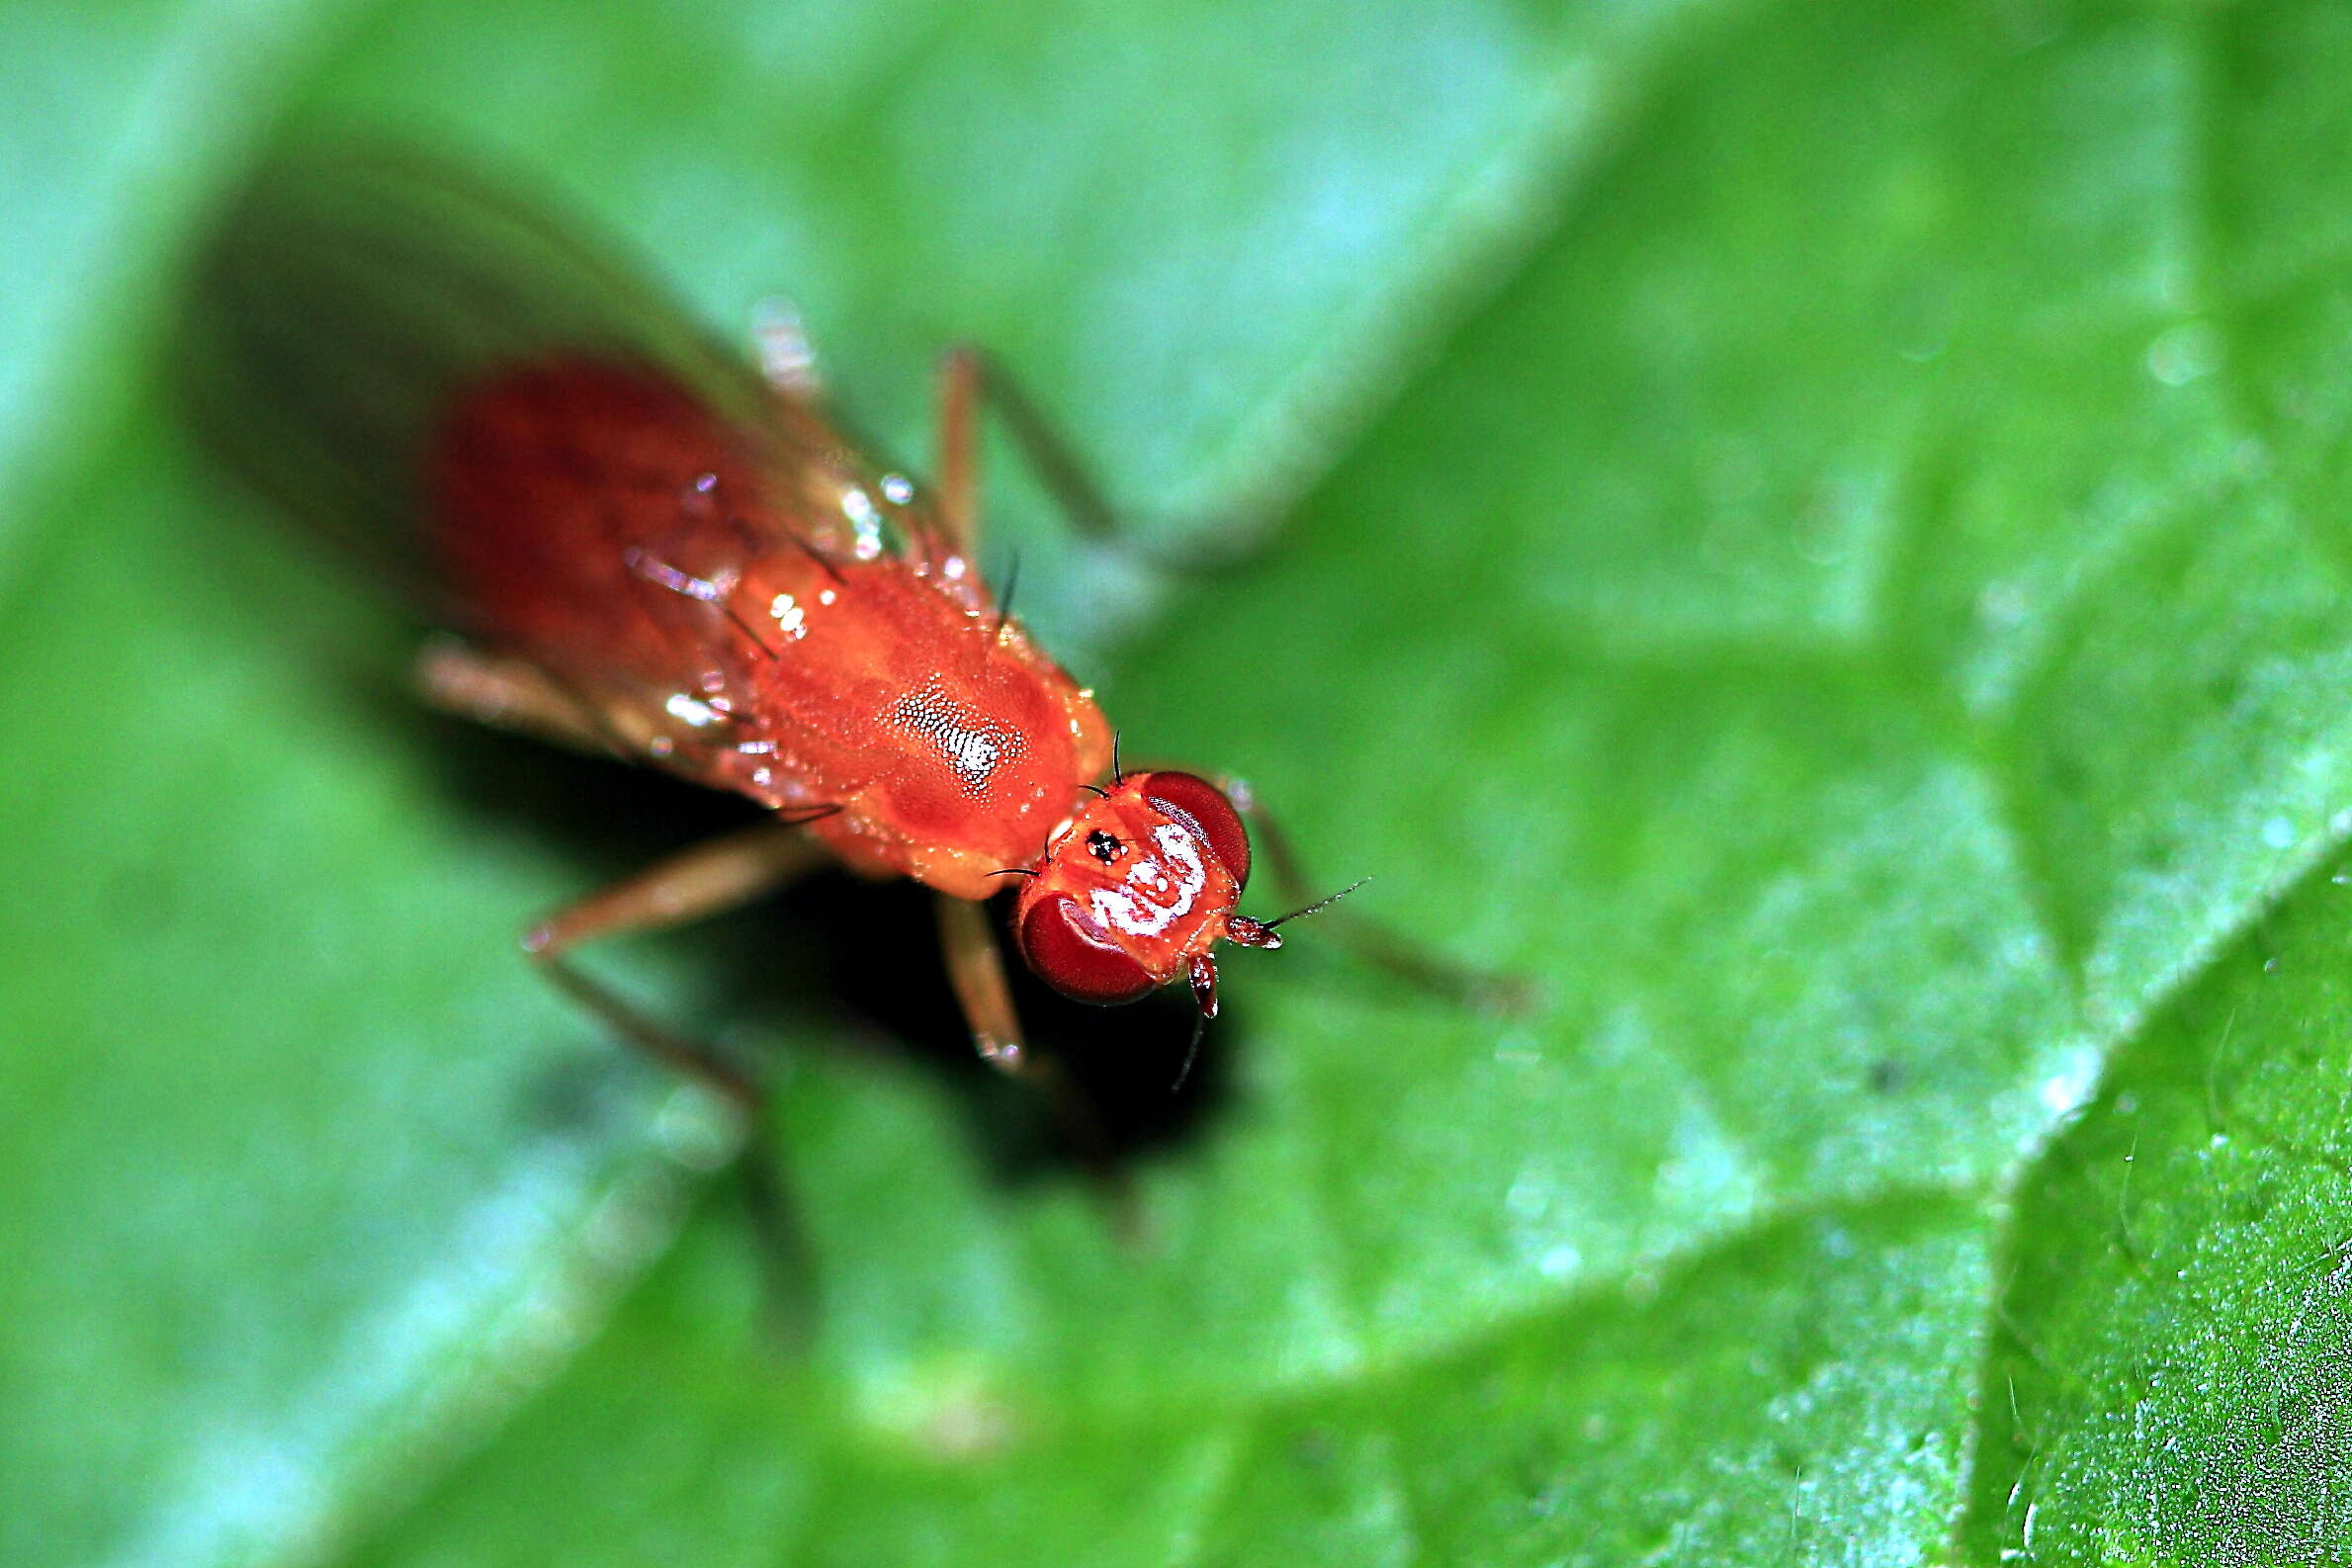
point(637, 543)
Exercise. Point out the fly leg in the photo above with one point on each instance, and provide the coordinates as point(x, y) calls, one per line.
point(967, 379)
point(701, 880)
point(1390, 951)
point(696, 883)
point(704, 880)
point(975, 970)
point(971, 377)
point(961, 378)
point(505, 694)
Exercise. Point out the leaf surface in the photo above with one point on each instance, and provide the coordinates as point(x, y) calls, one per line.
point(1857, 616)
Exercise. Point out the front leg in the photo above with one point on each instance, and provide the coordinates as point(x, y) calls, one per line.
point(976, 972)
point(1384, 949)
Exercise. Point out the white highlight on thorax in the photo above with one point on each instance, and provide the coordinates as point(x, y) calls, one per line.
point(971, 753)
point(971, 743)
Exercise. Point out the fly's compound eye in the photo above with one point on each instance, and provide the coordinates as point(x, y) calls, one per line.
point(1076, 957)
point(1202, 806)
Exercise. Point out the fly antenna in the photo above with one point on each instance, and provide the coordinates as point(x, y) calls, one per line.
point(1013, 871)
point(1118, 774)
point(1200, 1027)
point(1319, 905)
point(1097, 789)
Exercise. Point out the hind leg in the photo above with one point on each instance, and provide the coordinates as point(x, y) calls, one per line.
point(505, 694)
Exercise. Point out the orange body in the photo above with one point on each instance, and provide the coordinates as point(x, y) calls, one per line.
point(647, 546)
point(747, 608)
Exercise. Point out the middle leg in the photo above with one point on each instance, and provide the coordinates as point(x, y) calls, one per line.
point(705, 880)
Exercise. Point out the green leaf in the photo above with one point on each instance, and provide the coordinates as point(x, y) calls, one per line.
point(1856, 617)
point(306, 1201)
point(2167, 1378)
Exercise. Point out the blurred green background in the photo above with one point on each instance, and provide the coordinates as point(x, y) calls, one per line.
point(1816, 530)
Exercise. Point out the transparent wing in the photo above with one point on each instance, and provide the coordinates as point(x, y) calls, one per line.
point(348, 297)
point(521, 434)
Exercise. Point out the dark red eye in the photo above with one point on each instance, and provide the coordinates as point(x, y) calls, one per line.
point(1076, 957)
point(1202, 806)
